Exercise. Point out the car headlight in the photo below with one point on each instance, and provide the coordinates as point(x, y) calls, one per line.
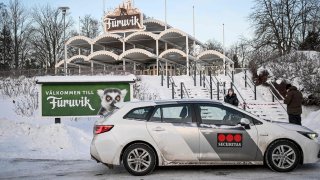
point(310, 135)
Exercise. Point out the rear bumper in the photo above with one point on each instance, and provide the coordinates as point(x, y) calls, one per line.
point(94, 153)
point(105, 149)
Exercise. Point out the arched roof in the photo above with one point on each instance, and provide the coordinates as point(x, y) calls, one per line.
point(142, 39)
point(103, 56)
point(139, 35)
point(107, 38)
point(155, 25)
point(212, 55)
point(80, 42)
point(174, 55)
point(172, 51)
point(109, 41)
point(171, 31)
point(72, 59)
point(137, 54)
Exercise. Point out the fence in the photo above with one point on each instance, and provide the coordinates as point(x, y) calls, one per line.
point(71, 71)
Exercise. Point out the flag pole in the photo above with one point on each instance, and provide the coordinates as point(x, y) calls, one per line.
point(165, 14)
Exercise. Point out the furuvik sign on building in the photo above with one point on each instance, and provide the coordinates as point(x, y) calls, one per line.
point(82, 96)
point(125, 18)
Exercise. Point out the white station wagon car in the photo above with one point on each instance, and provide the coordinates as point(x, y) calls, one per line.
point(143, 135)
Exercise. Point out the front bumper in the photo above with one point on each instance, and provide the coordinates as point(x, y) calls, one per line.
point(311, 152)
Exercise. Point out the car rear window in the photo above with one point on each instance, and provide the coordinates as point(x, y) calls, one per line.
point(138, 113)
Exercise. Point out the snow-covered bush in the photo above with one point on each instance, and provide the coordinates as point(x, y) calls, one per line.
point(301, 68)
point(23, 93)
point(140, 91)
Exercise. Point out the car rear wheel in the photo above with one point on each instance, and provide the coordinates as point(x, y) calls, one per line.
point(282, 156)
point(139, 159)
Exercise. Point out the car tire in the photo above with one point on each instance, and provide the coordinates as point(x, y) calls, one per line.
point(139, 159)
point(282, 156)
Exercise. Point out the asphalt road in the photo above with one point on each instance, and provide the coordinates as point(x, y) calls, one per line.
point(89, 169)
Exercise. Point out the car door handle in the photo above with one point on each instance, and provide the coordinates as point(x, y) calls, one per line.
point(206, 131)
point(158, 129)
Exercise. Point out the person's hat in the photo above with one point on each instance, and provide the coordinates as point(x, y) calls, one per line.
point(288, 86)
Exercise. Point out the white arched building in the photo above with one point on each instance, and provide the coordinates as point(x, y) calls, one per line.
point(152, 47)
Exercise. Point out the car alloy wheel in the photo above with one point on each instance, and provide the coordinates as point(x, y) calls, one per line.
point(282, 156)
point(139, 159)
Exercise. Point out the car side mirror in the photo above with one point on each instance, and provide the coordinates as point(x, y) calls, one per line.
point(245, 122)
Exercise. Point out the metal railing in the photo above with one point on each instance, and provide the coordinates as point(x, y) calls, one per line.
point(70, 71)
point(183, 90)
point(254, 88)
point(277, 99)
point(244, 101)
point(170, 80)
point(274, 88)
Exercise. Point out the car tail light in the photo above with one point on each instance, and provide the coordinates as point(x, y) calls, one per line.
point(102, 128)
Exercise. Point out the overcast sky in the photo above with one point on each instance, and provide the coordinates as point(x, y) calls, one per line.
point(209, 14)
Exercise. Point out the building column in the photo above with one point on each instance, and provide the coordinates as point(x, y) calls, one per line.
point(166, 68)
point(123, 60)
point(91, 67)
point(187, 52)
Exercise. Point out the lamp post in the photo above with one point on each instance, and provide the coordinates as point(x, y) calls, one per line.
point(64, 11)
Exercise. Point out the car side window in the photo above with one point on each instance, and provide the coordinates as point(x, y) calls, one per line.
point(138, 113)
point(157, 115)
point(219, 115)
point(173, 114)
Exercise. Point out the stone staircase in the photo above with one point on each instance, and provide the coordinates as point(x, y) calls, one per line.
point(262, 107)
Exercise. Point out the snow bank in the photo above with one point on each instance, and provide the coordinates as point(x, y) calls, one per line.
point(53, 141)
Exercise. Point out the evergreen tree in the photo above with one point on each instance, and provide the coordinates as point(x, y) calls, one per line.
point(235, 59)
point(312, 42)
point(6, 49)
point(6, 44)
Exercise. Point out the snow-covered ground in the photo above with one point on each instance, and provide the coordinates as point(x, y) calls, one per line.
point(88, 169)
point(37, 138)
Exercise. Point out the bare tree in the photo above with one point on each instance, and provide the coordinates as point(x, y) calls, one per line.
point(212, 44)
point(89, 27)
point(20, 27)
point(282, 24)
point(48, 40)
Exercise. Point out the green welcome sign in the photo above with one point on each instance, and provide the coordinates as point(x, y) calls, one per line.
point(82, 98)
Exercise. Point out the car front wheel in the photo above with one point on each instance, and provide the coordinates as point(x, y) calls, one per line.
point(282, 156)
point(139, 159)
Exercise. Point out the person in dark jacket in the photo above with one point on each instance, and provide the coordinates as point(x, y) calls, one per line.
point(231, 98)
point(293, 100)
